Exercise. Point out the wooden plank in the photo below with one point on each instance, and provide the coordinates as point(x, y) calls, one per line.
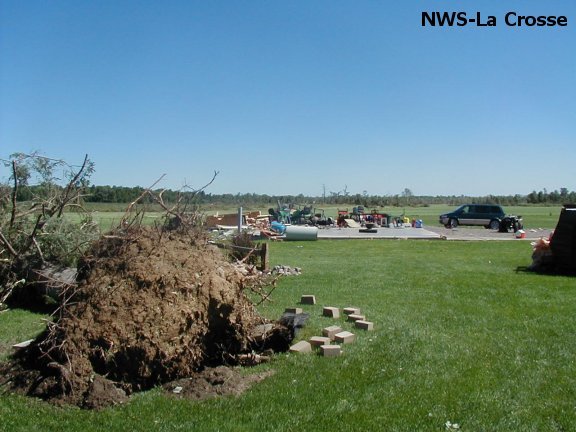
point(352, 223)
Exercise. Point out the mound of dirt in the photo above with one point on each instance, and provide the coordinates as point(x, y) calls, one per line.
point(151, 307)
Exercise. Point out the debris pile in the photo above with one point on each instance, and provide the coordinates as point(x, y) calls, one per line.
point(286, 270)
point(542, 257)
point(558, 253)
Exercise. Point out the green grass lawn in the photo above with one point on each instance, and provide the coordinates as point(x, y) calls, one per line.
point(459, 336)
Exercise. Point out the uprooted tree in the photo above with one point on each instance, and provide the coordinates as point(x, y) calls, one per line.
point(149, 305)
point(33, 230)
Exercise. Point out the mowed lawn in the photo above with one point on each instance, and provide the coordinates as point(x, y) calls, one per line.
point(460, 336)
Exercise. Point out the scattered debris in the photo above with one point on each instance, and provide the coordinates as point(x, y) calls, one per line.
point(557, 254)
point(541, 255)
point(286, 270)
point(24, 344)
point(252, 359)
point(294, 321)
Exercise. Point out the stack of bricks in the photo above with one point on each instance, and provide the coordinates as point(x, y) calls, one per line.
point(359, 320)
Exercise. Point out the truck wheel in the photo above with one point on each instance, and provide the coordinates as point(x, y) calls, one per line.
point(453, 223)
point(495, 224)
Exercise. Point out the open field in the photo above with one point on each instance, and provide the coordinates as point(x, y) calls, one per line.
point(534, 216)
point(460, 336)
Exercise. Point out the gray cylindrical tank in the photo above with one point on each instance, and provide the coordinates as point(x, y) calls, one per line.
point(294, 232)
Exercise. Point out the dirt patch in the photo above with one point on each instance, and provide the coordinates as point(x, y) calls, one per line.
point(151, 307)
point(213, 382)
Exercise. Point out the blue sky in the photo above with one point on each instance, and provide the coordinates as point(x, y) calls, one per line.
point(289, 97)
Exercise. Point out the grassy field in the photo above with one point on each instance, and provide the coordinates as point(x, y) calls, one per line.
point(460, 336)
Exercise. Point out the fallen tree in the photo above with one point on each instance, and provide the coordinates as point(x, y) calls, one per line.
point(150, 305)
point(35, 234)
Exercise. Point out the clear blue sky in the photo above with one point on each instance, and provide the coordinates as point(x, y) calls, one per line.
point(289, 97)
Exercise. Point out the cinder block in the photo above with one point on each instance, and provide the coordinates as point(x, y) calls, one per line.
point(345, 337)
point(331, 331)
point(364, 325)
point(330, 350)
point(301, 347)
point(351, 310)
point(332, 312)
point(356, 317)
point(317, 341)
point(308, 299)
point(294, 310)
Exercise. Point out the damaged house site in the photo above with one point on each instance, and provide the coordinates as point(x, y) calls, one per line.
point(170, 305)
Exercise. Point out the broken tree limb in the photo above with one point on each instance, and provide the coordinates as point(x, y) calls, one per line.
point(8, 246)
point(66, 196)
point(14, 194)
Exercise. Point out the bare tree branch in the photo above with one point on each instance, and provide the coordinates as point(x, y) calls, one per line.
point(142, 195)
point(14, 194)
point(66, 196)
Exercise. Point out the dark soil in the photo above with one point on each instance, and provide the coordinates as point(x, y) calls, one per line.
point(151, 307)
point(213, 382)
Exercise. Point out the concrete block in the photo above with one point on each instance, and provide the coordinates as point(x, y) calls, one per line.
point(345, 337)
point(351, 310)
point(294, 310)
point(332, 312)
point(330, 350)
point(331, 331)
point(317, 341)
point(308, 299)
point(301, 347)
point(356, 317)
point(364, 325)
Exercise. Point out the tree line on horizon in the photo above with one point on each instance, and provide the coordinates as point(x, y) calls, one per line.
point(125, 194)
point(34, 176)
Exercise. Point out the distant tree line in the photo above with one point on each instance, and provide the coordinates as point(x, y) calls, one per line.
point(123, 194)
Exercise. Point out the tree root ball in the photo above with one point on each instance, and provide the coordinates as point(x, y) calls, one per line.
point(151, 306)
